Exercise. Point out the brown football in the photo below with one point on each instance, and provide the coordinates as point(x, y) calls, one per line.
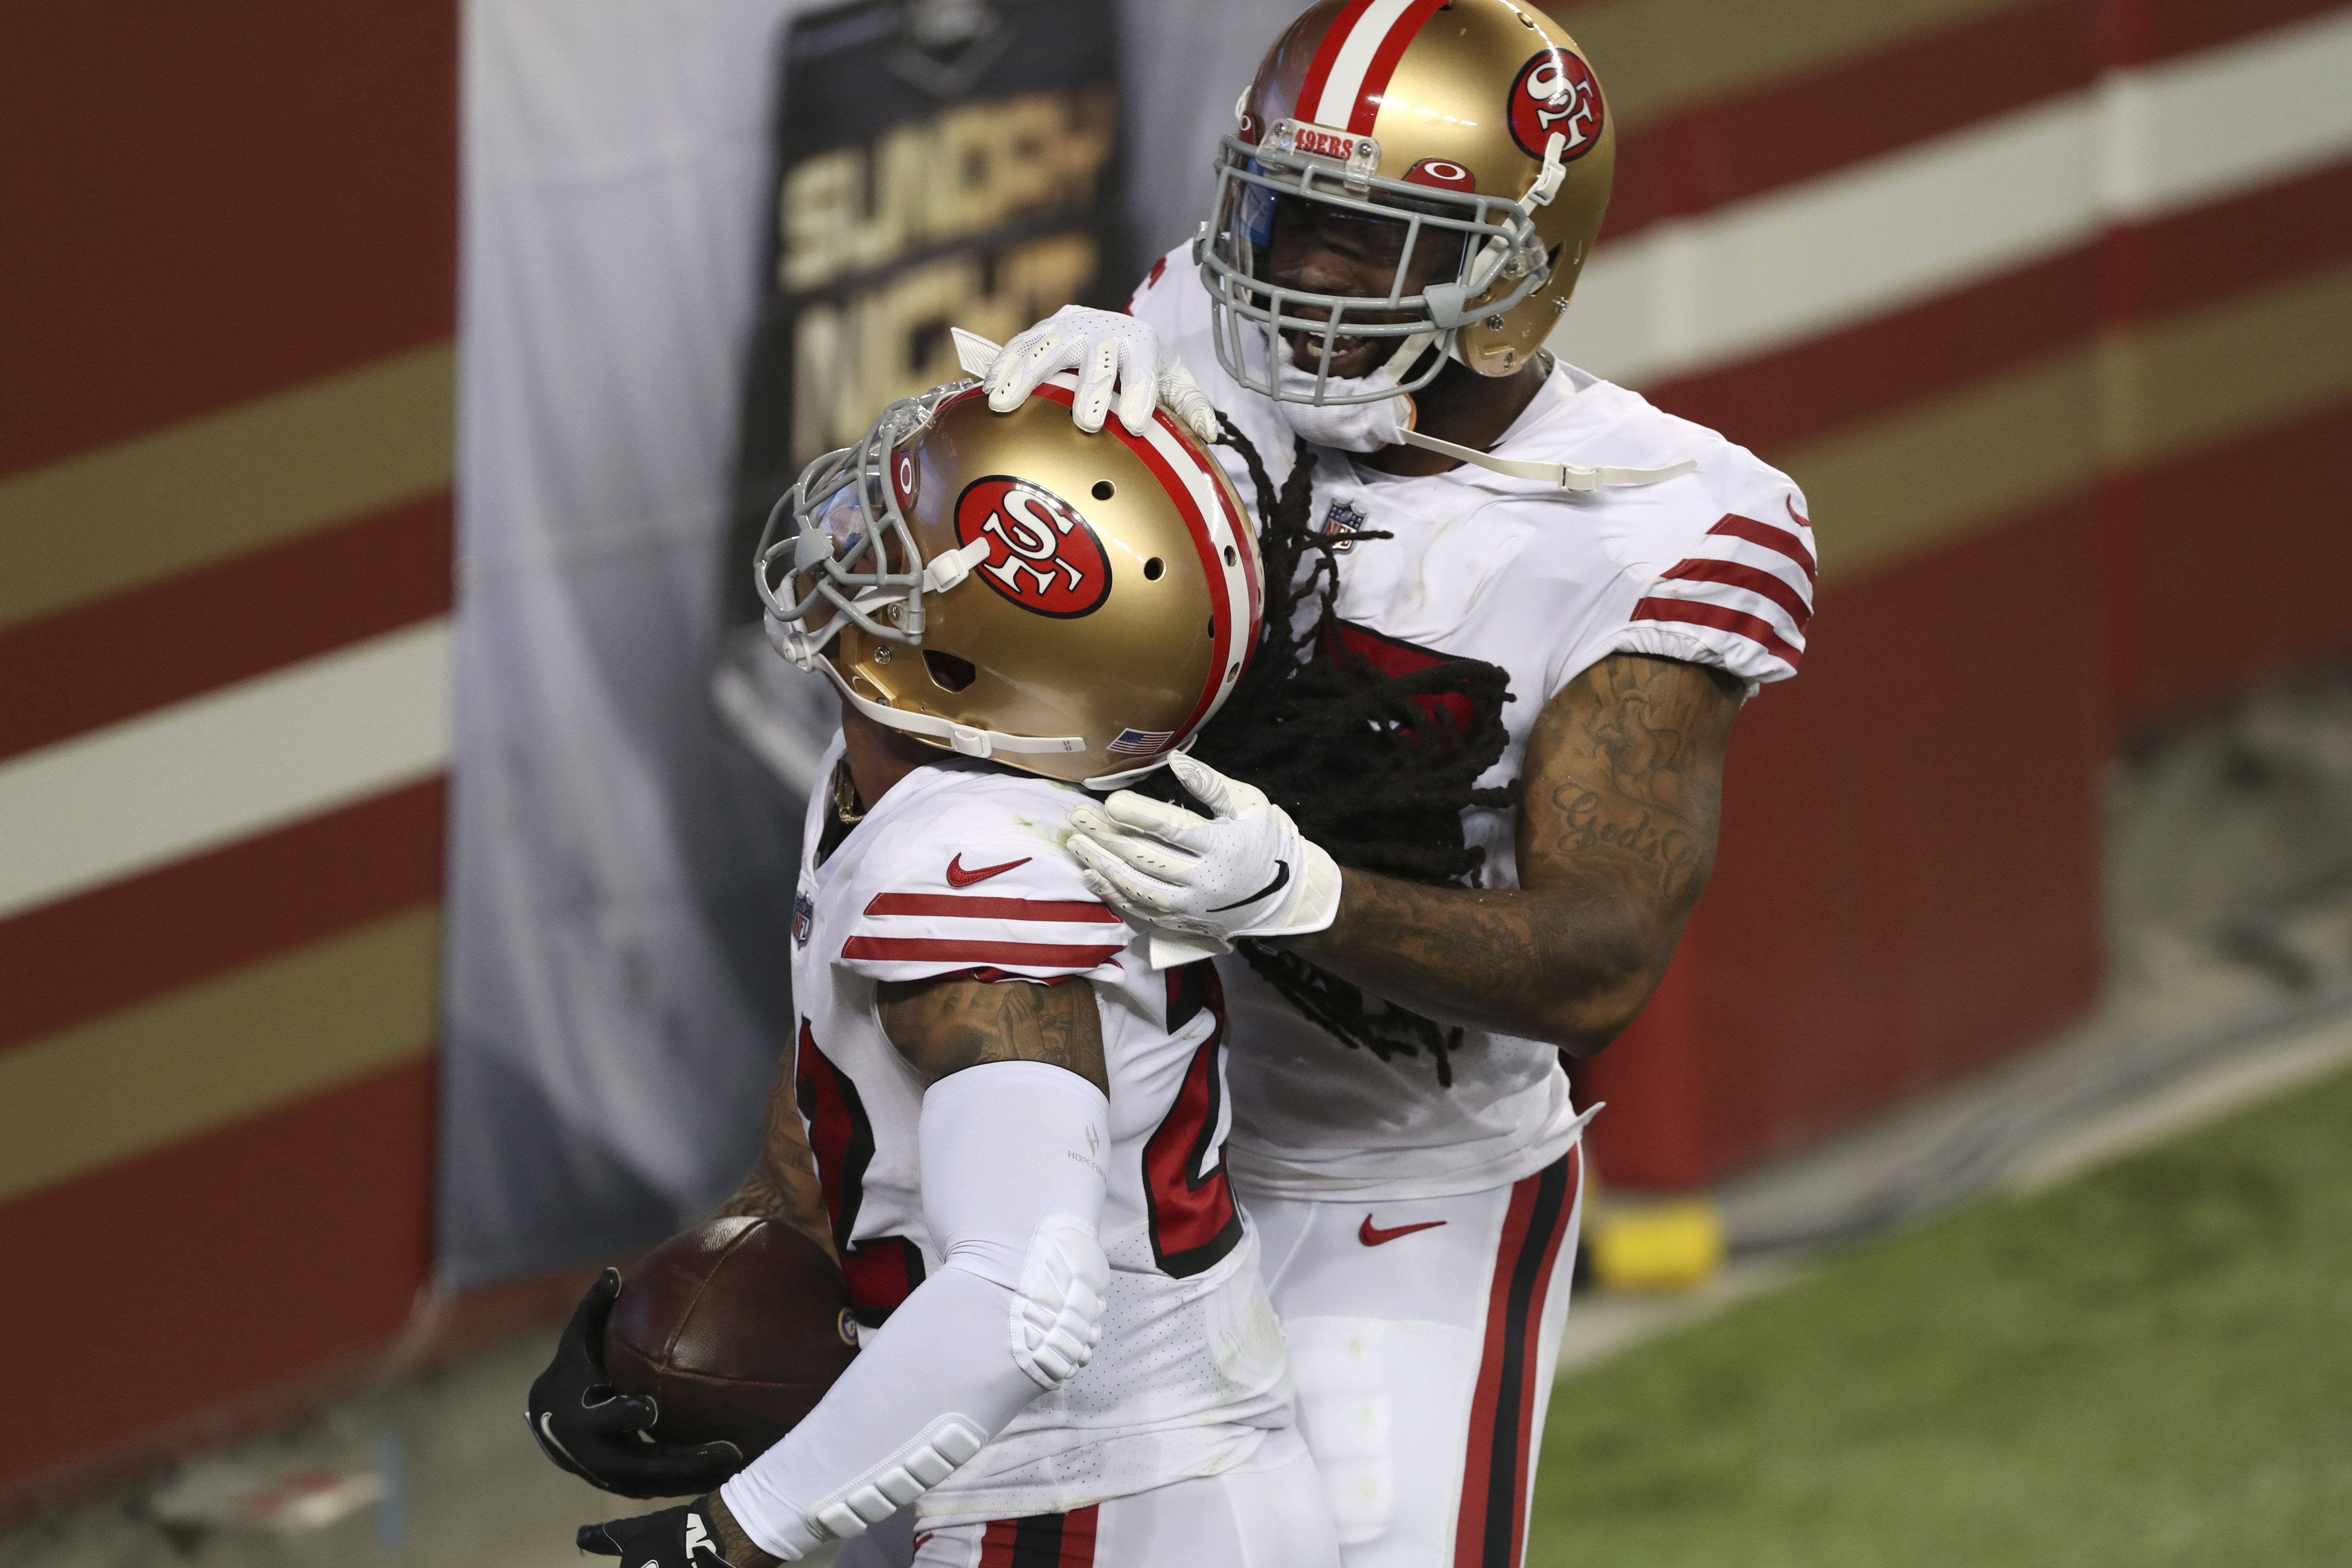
point(736, 1328)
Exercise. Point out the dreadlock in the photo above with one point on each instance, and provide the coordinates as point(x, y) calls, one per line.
point(1373, 767)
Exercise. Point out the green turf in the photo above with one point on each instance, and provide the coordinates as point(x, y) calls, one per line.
point(2150, 1366)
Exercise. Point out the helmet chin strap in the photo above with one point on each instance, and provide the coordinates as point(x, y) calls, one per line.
point(1567, 475)
point(1367, 427)
point(961, 738)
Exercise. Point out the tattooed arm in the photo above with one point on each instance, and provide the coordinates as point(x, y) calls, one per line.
point(782, 1185)
point(1617, 832)
point(944, 1026)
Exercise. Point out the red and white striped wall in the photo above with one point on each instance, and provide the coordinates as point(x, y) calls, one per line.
point(225, 434)
point(2048, 306)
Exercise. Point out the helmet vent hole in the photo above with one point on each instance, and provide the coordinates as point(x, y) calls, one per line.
point(948, 673)
point(1213, 625)
point(1105, 489)
point(1152, 569)
point(1232, 556)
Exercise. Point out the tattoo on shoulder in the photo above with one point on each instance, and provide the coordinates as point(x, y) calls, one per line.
point(945, 1025)
point(1626, 767)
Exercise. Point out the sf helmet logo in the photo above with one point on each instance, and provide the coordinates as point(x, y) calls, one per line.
point(1556, 94)
point(1043, 555)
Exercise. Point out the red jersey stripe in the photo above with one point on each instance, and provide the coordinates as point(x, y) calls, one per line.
point(956, 949)
point(980, 907)
point(1755, 579)
point(1754, 628)
point(1771, 536)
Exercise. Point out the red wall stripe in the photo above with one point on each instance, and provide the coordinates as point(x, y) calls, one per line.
point(186, 1278)
point(2238, 558)
point(2207, 253)
point(1910, 878)
point(1729, 149)
point(199, 917)
point(2147, 30)
point(98, 663)
point(214, 202)
point(1800, 127)
point(1864, 372)
point(1874, 368)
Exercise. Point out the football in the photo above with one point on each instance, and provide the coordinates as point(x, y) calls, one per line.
point(736, 1328)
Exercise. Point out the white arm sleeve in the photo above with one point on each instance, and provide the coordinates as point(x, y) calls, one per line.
point(1012, 1195)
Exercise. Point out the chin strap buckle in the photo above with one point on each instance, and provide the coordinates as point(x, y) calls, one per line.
point(948, 568)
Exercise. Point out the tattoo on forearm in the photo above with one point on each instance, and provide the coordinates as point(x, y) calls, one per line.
point(942, 1027)
point(783, 1186)
point(1616, 840)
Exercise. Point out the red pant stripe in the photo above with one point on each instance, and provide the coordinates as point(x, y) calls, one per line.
point(1040, 1541)
point(1490, 1531)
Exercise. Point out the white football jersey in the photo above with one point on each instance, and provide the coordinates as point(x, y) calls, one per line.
point(958, 870)
point(1716, 567)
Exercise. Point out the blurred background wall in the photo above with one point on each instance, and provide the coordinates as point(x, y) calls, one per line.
point(228, 244)
point(2048, 306)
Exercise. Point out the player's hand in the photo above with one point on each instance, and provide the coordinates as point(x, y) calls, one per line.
point(688, 1536)
point(1198, 883)
point(598, 1434)
point(1111, 353)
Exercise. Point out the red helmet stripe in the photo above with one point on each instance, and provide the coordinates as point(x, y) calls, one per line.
point(1403, 31)
point(1319, 69)
point(1350, 70)
point(1180, 491)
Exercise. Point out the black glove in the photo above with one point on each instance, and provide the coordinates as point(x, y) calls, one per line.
point(597, 1434)
point(677, 1537)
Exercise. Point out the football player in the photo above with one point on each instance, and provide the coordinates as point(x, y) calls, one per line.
point(1401, 214)
point(1017, 1120)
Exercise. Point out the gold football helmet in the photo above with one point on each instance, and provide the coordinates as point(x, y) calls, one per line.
point(1007, 585)
point(1475, 123)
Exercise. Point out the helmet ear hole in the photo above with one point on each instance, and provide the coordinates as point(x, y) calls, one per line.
point(950, 673)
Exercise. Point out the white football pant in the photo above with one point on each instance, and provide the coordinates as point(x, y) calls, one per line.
point(1266, 1513)
point(1424, 1336)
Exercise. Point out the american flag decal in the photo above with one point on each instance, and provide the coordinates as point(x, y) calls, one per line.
point(1140, 742)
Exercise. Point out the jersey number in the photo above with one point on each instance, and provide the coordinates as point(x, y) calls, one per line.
point(1193, 1221)
point(883, 1270)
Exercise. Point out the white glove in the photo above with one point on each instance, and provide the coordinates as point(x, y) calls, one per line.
point(1105, 348)
point(1198, 883)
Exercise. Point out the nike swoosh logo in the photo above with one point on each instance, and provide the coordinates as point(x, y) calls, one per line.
point(1372, 1234)
point(555, 1442)
point(1281, 875)
point(960, 878)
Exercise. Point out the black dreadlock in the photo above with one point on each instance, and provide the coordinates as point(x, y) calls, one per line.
point(1372, 767)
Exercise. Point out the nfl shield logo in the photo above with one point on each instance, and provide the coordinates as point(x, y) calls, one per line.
point(804, 919)
point(1343, 517)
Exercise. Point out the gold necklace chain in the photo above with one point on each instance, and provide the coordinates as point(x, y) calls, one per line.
point(845, 806)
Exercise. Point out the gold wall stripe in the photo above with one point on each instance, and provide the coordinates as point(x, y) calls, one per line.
point(1655, 57)
point(1937, 473)
point(126, 514)
point(107, 1091)
point(1926, 477)
point(2251, 361)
